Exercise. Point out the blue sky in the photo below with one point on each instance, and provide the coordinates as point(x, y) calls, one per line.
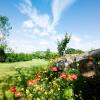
point(37, 24)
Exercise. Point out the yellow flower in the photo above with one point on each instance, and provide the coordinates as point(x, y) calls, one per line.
point(55, 84)
point(30, 97)
point(45, 93)
point(27, 91)
point(46, 78)
point(38, 88)
point(58, 89)
point(51, 91)
point(38, 99)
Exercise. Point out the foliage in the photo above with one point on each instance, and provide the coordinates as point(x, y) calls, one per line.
point(39, 55)
point(39, 83)
point(73, 51)
point(62, 44)
point(48, 54)
point(4, 30)
point(15, 57)
point(44, 55)
point(2, 55)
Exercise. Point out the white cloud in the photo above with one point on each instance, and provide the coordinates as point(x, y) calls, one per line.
point(39, 32)
point(75, 42)
point(44, 42)
point(21, 45)
point(75, 38)
point(27, 24)
point(58, 7)
point(43, 21)
point(83, 43)
point(40, 28)
point(39, 20)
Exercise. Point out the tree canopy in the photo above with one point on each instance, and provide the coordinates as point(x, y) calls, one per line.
point(73, 51)
point(4, 30)
point(63, 44)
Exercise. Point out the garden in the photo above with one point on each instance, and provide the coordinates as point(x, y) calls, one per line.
point(43, 75)
point(40, 84)
point(47, 83)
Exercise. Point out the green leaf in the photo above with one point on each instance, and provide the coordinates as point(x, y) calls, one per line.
point(68, 92)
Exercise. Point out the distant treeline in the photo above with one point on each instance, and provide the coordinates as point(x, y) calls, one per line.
point(16, 57)
point(73, 51)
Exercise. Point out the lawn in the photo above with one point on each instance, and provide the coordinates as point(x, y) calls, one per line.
point(9, 68)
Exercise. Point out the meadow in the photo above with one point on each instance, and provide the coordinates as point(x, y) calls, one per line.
point(9, 68)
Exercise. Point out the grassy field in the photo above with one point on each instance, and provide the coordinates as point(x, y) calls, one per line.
point(9, 68)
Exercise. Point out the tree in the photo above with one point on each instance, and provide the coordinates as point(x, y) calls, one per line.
point(4, 32)
point(2, 55)
point(48, 54)
point(73, 51)
point(63, 44)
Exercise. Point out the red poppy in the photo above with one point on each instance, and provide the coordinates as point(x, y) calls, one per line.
point(54, 69)
point(63, 75)
point(74, 76)
point(31, 82)
point(17, 94)
point(69, 78)
point(13, 88)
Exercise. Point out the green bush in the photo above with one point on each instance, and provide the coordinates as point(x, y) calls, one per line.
point(44, 55)
point(73, 51)
point(39, 55)
point(2, 55)
point(14, 57)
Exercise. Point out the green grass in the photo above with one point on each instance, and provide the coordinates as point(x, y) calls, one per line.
point(9, 68)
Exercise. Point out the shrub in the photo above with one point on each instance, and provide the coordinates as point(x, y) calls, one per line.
point(44, 55)
point(14, 57)
point(2, 55)
point(73, 51)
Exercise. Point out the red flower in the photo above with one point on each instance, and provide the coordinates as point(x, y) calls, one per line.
point(69, 78)
point(74, 76)
point(63, 75)
point(31, 82)
point(54, 69)
point(13, 88)
point(17, 94)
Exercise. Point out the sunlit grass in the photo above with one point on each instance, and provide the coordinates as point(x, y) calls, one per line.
point(9, 68)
